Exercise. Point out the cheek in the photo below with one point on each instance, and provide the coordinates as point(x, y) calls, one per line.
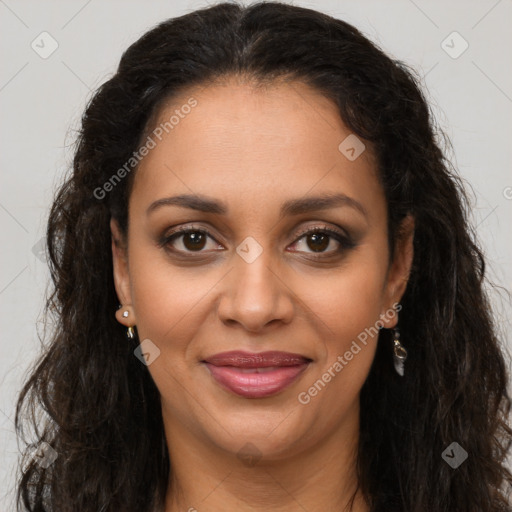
point(170, 313)
point(349, 305)
point(166, 299)
point(350, 299)
point(349, 346)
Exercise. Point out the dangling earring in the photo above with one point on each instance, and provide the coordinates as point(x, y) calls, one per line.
point(130, 333)
point(399, 353)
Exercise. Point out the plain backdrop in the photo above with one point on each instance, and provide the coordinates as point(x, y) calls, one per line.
point(462, 49)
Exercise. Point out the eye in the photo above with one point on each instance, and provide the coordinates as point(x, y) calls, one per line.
point(319, 239)
point(187, 239)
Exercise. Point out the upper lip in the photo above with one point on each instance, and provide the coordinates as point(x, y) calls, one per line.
point(242, 359)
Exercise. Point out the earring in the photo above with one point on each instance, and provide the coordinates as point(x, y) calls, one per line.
point(122, 313)
point(399, 353)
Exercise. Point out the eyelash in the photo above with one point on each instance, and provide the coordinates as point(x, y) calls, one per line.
point(344, 241)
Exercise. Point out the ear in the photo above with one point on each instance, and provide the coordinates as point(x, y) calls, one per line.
point(399, 270)
point(121, 272)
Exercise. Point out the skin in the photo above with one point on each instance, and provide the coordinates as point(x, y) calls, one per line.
point(254, 148)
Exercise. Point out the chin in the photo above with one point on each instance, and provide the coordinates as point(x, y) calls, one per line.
point(269, 438)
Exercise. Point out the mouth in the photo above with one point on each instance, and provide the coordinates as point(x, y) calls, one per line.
point(256, 375)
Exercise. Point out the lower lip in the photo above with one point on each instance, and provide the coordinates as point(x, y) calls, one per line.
point(255, 385)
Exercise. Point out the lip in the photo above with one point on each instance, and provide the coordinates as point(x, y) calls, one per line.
point(256, 375)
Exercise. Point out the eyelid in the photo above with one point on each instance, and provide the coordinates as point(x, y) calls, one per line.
point(324, 228)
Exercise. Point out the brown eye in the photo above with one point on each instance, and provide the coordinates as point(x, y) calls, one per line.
point(188, 240)
point(194, 240)
point(318, 240)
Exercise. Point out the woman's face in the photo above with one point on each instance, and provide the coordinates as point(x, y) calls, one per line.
point(256, 167)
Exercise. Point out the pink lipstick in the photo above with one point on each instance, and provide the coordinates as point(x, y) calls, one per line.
point(256, 375)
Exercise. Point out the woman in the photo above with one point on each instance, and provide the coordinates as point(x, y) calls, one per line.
point(267, 292)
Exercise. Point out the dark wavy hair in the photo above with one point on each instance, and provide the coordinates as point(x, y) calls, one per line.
point(97, 406)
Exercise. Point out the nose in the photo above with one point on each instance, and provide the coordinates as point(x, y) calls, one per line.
point(255, 295)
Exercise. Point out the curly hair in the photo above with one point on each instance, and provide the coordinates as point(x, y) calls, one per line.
point(92, 401)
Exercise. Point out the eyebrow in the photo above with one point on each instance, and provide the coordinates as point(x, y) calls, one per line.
point(290, 207)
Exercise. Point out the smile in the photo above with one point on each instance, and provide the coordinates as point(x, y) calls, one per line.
point(256, 375)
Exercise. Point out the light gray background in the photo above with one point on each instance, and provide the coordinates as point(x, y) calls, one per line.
point(41, 101)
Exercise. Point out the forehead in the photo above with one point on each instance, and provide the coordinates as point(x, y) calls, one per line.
point(252, 141)
point(235, 118)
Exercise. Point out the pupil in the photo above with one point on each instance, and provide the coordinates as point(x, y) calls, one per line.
point(196, 240)
point(322, 238)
